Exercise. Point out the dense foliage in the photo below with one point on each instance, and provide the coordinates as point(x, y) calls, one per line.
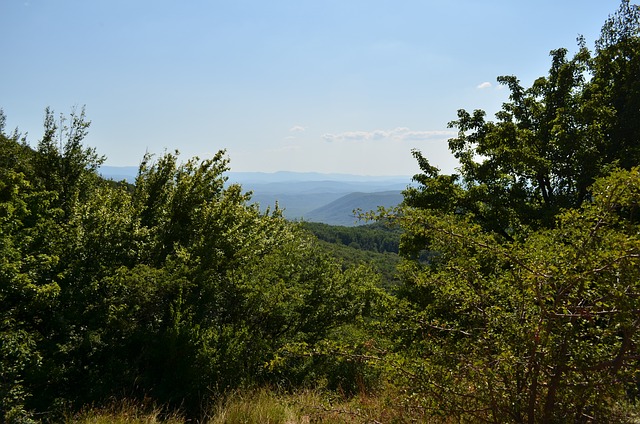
point(376, 237)
point(518, 297)
point(177, 289)
point(375, 245)
point(540, 330)
point(549, 142)
point(527, 307)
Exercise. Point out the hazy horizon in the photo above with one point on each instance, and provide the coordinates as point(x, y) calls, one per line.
point(131, 170)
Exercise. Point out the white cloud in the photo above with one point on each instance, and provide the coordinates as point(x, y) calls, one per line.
point(397, 134)
point(297, 129)
point(484, 85)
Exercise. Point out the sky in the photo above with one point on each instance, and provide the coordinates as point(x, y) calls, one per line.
point(331, 86)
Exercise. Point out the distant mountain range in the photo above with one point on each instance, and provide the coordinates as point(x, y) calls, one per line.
point(309, 196)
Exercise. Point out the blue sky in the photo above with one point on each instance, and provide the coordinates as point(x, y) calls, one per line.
point(345, 86)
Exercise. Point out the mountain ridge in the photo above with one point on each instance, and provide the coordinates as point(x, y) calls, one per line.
point(342, 211)
point(309, 196)
point(130, 172)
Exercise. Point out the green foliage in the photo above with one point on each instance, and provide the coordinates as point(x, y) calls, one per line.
point(26, 262)
point(63, 165)
point(17, 356)
point(519, 295)
point(375, 245)
point(384, 264)
point(525, 309)
point(373, 237)
point(176, 289)
point(549, 142)
point(540, 330)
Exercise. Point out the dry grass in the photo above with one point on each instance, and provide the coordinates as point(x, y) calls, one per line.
point(266, 406)
point(270, 407)
point(312, 406)
point(126, 412)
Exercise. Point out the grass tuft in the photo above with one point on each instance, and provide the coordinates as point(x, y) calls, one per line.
point(126, 412)
point(266, 406)
point(259, 407)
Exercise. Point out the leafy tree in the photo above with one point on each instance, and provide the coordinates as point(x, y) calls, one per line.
point(524, 308)
point(616, 84)
point(246, 282)
point(27, 262)
point(541, 330)
point(63, 164)
point(549, 142)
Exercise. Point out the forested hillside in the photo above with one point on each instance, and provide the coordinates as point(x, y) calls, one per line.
point(516, 298)
point(376, 245)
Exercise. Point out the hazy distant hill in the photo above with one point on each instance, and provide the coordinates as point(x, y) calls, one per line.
point(286, 176)
point(119, 173)
point(295, 205)
point(340, 211)
point(311, 196)
point(328, 198)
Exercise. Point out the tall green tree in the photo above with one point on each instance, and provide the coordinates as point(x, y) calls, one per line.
point(28, 260)
point(549, 141)
point(616, 84)
point(64, 165)
point(520, 291)
point(541, 330)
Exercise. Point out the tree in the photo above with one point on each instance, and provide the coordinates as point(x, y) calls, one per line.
point(520, 291)
point(64, 165)
point(176, 289)
point(541, 330)
point(245, 283)
point(549, 142)
point(616, 84)
point(27, 266)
